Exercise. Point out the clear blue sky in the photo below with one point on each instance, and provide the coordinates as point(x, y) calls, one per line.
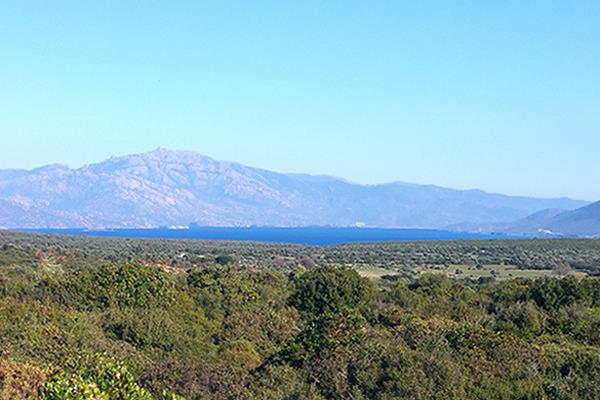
point(499, 95)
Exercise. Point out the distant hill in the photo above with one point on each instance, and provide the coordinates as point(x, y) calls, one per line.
point(176, 188)
point(532, 224)
point(584, 221)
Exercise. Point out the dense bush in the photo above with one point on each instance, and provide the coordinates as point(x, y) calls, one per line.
point(138, 331)
point(93, 377)
point(329, 290)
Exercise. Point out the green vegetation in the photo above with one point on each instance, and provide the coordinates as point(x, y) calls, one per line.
point(581, 255)
point(85, 327)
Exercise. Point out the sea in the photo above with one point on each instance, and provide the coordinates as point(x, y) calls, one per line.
point(314, 236)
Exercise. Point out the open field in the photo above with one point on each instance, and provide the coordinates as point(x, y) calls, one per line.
point(378, 273)
point(495, 272)
point(498, 272)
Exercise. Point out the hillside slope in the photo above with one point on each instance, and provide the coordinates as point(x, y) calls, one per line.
point(584, 221)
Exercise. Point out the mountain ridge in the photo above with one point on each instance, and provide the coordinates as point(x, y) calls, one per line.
point(179, 187)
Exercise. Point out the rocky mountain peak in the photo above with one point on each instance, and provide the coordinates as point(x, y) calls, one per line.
point(177, 187)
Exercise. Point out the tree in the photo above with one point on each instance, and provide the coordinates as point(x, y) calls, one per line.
point(329, 290)
point(224, 259)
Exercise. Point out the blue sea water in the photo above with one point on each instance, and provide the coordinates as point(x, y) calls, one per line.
point(316, 236)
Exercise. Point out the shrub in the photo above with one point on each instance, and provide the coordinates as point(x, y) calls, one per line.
point(20, 380)
point(329, 290)
point(94, 377)
point(112, 285)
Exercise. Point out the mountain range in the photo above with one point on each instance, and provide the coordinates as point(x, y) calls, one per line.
point(178, 188)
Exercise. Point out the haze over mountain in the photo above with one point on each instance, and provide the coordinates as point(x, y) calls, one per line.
point(583, 221)
point(176, 188)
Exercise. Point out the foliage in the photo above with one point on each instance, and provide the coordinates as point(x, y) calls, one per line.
point(20, 380)
point(224, 259)
point(95, 376)
point(329, 290)
point(74, 252)
point(144, 330)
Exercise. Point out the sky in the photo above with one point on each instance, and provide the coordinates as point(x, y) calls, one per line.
point(498, 95)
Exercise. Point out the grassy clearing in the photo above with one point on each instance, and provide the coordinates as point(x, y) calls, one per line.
point(500, 272)
point(376, 273)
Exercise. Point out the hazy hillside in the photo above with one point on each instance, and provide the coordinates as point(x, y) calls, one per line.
point(164, 188)
point(584, 221)
point(531, 225)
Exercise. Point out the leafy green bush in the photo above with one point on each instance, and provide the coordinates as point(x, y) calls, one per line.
point(112, 285)
point(329, 290)
point(185, 333)
point(224, 259)
point(94, 377)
